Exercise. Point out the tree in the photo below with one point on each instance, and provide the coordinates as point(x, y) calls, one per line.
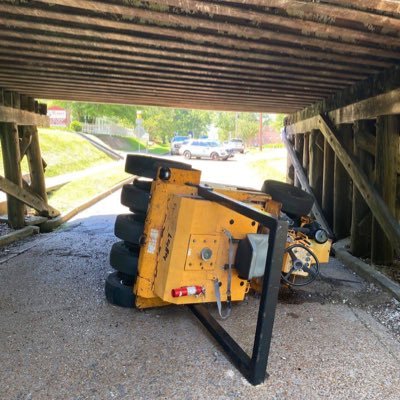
point(158, 122)
point(162, 123)
point(122, 114)
point(277, 123)
point(241, 125)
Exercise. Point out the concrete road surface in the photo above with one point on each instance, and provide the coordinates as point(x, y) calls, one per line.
point(60, 339)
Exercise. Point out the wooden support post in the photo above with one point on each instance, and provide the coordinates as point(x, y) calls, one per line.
point(316, 164)
point(386, 158)
point(306, 152)
point(25, 138)
point(289, 167)
point(38, 184)
point(12, 171)
point(327, 182)
point(342, 186)
point(298, 146)
point(379, 208)
point(361, 216)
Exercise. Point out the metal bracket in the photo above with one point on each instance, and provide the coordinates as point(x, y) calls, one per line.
point(254, 367)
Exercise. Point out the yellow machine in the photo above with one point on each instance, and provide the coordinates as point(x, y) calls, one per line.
point(194, 244)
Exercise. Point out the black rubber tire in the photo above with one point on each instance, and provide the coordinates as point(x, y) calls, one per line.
point(137, 200)
point(118, 293)
point(129, 227)
point(214, 156)
point(187, 154)
point(295, 202)
point(147, 166)
point(125, 259)
point(142, 184)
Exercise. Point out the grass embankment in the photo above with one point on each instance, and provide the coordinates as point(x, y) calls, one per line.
point(270, 164)
point(64, 152)
point(130, 144)
point(80, 190)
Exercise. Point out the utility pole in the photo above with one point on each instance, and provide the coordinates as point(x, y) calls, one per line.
point(260, 132)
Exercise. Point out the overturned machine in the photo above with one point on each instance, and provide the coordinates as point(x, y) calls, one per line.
point(188, 243)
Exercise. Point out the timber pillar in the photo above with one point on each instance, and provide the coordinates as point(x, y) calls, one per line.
point(386, 162)
point(12, 172)
point(342, 193)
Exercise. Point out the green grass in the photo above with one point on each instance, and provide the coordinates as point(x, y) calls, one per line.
point(64, 152)
point(273, 166)
point(67, 152)
point(130, 144)
point(77, 192)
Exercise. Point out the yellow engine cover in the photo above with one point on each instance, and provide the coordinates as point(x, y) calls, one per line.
point(194, 249)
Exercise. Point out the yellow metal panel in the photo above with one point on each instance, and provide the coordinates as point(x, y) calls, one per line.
point(203, 220)
point(155, 218)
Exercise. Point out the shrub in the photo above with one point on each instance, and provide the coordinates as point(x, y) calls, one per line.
point(75, 126)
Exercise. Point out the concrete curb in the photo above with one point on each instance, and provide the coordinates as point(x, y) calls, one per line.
point(18, 235)
point(52, 224)
point(368, 272)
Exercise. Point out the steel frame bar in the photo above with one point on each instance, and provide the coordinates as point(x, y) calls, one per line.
point(254, 367)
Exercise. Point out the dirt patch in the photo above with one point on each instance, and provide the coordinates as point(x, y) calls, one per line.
point(5, 229)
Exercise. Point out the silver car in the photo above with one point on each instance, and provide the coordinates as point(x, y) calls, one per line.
point(204, 149)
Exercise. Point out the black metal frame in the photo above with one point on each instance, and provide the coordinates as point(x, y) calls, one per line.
point(254, 367)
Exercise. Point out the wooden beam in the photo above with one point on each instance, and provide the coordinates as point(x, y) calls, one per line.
point(342, 185)
point(316, 209)
point(21, 117)
point(25, 138)
point(360, 240)
point(12, 170)
point(365, 141)
point(377, 205)
point(221, 30)
point(327, 182)
point(299, 147)
point(38, 184)
point(384, 104)
point(386, 159)
point(316, 165)
point(28, 198)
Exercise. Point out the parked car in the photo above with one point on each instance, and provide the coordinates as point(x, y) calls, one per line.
point(204, 149)
point(235, 145)
point(176, 143)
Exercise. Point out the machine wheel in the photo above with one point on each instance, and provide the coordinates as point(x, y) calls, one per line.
point(214, 156)
point(142, 184)
point(129, 227)
point(136, 199)
point(187, 155)
point(125, 259)
point(147, 166)
point(118, 292)
point(294, 201)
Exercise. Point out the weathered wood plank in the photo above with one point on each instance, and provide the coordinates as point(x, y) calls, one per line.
point(342, 185)
point(386, 159)
point(38, 184)
point(25, 138)
point(298, 145)
point(316, 164)
point(316, 209)
point(27, 198)
point(361, 217)
point(22, 117)
point(377, 205)
point(384, 104)
point(12, 170)
point(327, 182)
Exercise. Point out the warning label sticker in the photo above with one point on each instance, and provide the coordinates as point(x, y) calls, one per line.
point(152, 246)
